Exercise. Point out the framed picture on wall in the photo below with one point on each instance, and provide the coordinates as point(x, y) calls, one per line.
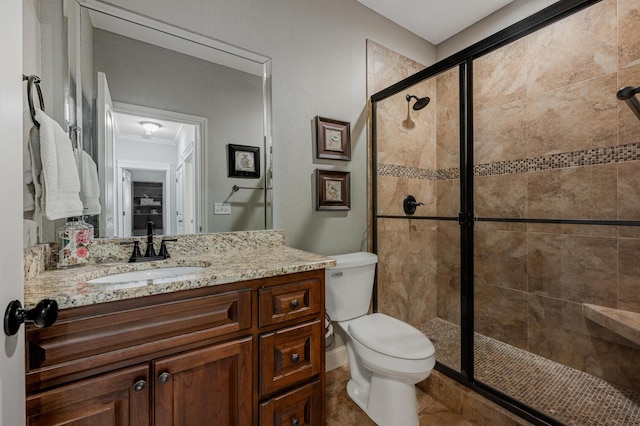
point(243, 161)
point(333, 190)
point(333, 139)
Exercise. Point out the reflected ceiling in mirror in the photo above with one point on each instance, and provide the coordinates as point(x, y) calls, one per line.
point(204, 94)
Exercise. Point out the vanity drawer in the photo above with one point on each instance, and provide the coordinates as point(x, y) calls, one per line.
point(290, 355)
point(301, 407)
point(104, 339)
point(289, 301)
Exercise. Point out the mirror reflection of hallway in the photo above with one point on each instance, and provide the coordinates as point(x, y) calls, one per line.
point(166, 161)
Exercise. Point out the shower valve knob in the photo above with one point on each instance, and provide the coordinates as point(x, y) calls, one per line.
point(410, 204)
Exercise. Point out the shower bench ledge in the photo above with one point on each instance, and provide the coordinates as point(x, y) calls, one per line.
point(623, 323)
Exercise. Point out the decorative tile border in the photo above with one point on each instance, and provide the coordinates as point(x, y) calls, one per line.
point(416, 173)
point(587, 157)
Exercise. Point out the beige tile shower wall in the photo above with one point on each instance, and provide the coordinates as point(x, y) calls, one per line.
point(407, 269)
point(552, 141)
point(406, 151)
point(417, 151)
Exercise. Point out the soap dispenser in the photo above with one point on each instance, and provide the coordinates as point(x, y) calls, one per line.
point(74, 238)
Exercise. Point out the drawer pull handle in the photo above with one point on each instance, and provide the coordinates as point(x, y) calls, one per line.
point(294, 421)
point(164, 378)
point(294, 303)
point(139, 386)
point(295, 358)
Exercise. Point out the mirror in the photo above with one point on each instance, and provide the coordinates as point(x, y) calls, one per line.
point(156, 108)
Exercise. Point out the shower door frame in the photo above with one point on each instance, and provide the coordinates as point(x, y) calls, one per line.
point(466, 219)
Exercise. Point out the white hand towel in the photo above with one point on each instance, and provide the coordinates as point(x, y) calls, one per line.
point(36, 177)
point(90, 185)
point(28, 192)
point(59, 177)
point(29, 233)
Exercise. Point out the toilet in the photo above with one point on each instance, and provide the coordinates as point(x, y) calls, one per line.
point(387, 357)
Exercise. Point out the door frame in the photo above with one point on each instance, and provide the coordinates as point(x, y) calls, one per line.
point(167, 168)
point(12, 90)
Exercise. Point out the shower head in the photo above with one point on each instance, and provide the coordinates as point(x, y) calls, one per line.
point(420, 102)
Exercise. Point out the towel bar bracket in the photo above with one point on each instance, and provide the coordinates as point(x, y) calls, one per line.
point(33, 80)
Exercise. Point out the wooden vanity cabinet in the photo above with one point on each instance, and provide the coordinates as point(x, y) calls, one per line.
point(118, 398)
point(244, 353)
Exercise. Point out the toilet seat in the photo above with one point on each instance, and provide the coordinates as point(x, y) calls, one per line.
point(391, 337)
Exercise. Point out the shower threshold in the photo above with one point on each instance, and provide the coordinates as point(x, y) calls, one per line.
point(566, 394)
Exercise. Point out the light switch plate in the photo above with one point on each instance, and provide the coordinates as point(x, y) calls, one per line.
point(222, 208)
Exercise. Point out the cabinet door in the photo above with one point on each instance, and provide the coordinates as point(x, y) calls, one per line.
point(120, 398)
point(210, 386)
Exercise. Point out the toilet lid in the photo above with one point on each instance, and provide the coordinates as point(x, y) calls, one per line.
point(390, 336)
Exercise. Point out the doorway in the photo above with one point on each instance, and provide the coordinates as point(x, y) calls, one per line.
point(157, 148)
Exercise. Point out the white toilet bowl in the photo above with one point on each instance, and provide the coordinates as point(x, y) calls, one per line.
point(387, 357)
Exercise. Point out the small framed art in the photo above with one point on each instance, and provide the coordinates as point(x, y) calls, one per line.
point(333, 139)
point(333, 190)
point(243, 161)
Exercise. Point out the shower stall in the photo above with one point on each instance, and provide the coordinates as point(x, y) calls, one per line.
point(520, 258)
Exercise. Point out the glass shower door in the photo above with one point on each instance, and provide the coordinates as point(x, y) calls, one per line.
point(554, 234)
point(416, 153)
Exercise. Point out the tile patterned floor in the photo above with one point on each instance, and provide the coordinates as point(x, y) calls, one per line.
point(341, 410)
point(571, 396)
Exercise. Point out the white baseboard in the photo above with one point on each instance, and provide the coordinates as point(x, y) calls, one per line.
point(336, 357)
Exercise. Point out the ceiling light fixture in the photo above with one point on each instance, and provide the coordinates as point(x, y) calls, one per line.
point(149, 127)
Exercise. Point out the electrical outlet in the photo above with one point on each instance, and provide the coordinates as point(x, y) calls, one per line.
point(222, 208)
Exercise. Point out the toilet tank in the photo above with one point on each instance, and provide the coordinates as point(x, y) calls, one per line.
point(349, 284)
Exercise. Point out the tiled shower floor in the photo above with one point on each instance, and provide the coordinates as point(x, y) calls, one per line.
point(569, 395)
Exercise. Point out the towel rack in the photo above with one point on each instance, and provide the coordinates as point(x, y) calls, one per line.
point(236, 188)
point(31, 81)
point(628, 94)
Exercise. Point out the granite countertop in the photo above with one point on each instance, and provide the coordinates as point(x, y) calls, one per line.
point(69, 287)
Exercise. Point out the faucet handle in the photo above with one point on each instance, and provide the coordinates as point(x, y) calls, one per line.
point(163, 247)
point(136, 250)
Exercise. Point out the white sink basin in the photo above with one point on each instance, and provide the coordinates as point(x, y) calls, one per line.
point(147, 276)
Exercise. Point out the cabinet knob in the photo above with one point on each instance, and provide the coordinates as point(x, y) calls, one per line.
point(295, 358)
point(294, 303)
point(294, 421)
point(164, 378)
point(139, 386)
